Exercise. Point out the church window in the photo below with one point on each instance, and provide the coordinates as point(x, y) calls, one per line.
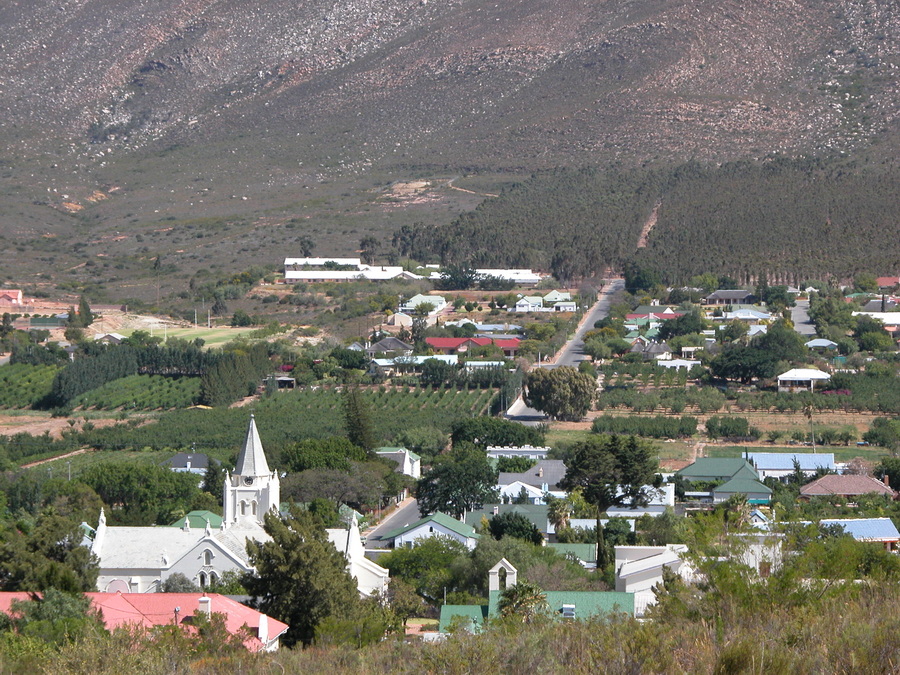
point(207, 557)
point(202, 580)
point(243, 508)
point(253, 507)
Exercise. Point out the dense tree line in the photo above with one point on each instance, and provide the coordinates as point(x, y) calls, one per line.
point(777, 219)
point(658, 426)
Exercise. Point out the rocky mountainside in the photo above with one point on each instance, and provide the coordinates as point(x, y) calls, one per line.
point(182, 105)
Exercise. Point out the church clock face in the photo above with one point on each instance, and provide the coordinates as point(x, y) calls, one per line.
point(248, 480)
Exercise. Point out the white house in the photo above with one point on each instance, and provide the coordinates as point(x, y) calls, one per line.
point(140, 559)
point(408, 462)
point(565, 306)
point(801, 379)
point(529, 451)
point(780, 465)
point(557, 296)
point(640, 568)
point(297, 270)
point(529, 303)
point(436, 525)
point(437, 302)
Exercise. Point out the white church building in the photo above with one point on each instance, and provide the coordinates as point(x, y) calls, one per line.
point(140, 559)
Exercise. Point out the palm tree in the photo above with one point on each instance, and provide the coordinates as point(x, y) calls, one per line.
point(558, 513)
point(525, 600)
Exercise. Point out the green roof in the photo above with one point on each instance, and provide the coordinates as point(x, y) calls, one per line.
point(199, 519)
point(743, 486)
point(388, 448)
point(587, 603)
point(473, 614)
point(719, 468)
point(584, 552)
point(442, 519)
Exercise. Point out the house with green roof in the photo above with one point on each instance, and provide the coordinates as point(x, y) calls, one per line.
point(564, 605)
point(586, 554)
point(756, 492)
point(436, 525)
point(734, 475)
point(711, 469)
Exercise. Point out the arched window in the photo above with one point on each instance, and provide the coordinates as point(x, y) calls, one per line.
point(213, 578)
point(202, 580)
point(243, 508)
point(253, 507)
point(207, 557)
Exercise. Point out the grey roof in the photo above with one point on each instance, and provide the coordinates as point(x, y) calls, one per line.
point(390, 344)
point(867, 529)
point(729, 294)
point(784, 461)
point(553, 471)
point(252, 460)
point(180, 461)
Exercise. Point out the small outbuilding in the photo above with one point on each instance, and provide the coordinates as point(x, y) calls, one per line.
point(801, 379)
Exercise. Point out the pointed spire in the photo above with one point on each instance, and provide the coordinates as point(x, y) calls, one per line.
point(252, 460)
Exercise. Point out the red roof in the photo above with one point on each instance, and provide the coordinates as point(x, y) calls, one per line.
point(887, 282)
point(845, 485)
point(456, 343)
point(146, 610)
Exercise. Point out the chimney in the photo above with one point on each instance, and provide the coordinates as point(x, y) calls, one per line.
point(205, 605)
point(887, 480)
point(496, 510)
point(263, 632)
point(541, 472)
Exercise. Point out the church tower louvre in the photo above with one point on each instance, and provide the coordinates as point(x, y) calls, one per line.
point(251, 490)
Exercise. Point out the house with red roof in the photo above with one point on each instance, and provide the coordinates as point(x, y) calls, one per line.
point(848, 486)
point(11, 297)
point(149, 610)
point(462, 345)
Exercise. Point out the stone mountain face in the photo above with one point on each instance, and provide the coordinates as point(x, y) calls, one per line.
point(506, 84)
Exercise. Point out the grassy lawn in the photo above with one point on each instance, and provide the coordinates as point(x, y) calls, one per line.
point(841, 453)
point(212, 337)
point(565, 437)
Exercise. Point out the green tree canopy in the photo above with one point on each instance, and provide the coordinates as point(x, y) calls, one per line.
point(485, 431)
point(358, 419)
point(516, 525)
point(458, 482)
point(563, 393)
point(335, 452)
point(48, 554)
point(610, 471)
point(301, 578)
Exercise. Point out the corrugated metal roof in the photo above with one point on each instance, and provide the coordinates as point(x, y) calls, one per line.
point(867, 529)
point(784, 461)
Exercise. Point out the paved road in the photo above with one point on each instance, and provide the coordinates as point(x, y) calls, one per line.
point(406, 514)
point(572, 352)
point(800, 317)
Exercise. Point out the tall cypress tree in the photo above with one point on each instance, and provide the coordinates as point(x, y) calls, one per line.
point(358, 419)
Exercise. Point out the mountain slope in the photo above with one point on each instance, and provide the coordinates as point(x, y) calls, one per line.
point(182, 108)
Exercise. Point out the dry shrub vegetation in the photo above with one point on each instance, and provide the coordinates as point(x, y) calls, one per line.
point(844, 629)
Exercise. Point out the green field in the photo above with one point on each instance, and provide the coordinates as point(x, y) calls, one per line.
point(841, 453)
point(212, 337)
point(142, 392)
point(22, 385)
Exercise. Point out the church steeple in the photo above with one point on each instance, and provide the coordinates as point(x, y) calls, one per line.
point(252, 459)
point(252, 489)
